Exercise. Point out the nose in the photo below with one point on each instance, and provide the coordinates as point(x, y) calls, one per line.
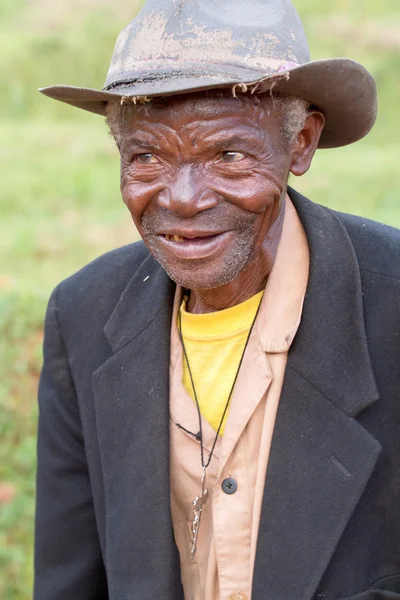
point(188, 193)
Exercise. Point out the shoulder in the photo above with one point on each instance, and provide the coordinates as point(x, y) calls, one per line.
point(377, 246)
point(97, 287)
point(114, 266)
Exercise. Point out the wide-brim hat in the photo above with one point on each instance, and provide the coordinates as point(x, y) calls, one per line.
point(183, 46)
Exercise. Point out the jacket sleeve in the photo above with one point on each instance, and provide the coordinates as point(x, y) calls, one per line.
point(68, 562)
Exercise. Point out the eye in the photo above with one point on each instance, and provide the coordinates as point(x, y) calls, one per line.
point(146, 159)
point(231, 156)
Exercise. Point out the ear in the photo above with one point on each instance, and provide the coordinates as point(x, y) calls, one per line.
point(304, 147)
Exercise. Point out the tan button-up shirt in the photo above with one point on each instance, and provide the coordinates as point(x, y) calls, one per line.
point(224, 562)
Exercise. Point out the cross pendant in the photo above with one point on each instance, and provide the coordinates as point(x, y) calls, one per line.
point(198, 504)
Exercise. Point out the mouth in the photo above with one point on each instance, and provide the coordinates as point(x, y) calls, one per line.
point(180, 239)
point(193, 246)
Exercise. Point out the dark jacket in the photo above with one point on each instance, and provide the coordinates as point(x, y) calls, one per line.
point(330, 524)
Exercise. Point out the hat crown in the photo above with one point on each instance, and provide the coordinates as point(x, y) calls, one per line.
point(261, 35)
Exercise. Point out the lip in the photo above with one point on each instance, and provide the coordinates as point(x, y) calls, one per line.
point(200, 245)
point(191, 234)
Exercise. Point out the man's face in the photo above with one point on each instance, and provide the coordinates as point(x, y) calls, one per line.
point(204, 179)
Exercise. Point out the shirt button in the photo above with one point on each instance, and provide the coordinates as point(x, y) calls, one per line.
point(237, 596)
point(230, 486)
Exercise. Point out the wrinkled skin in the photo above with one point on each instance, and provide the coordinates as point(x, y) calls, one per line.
point(214, 172)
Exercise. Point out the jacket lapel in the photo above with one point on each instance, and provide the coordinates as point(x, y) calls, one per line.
point(321, 457)
point(131, 397)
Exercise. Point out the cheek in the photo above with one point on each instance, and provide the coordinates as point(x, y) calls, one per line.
point(254, 192)
point(137, 194)
point(269, 224)
point(255, 185)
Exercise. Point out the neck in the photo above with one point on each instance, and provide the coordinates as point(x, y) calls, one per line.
point(249, 282)
point(226, 296)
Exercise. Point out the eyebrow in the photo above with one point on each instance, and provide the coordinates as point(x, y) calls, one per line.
point(231, 142)
point(136, 141)
point(216, 141)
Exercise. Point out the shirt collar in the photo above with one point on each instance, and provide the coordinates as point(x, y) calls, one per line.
point(282, 304)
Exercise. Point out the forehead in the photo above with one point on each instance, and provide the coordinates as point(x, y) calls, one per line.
point(201, 109)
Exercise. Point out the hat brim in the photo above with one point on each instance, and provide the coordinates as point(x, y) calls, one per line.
point(341, 88)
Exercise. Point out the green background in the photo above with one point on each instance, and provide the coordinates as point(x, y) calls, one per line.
point(59, 198)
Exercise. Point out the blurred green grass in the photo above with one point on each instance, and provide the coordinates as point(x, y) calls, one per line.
point(59, 198)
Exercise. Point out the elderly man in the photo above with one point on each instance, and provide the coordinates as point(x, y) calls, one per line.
point(219, 404)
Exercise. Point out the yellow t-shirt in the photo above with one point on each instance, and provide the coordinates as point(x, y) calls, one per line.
point(214, 344)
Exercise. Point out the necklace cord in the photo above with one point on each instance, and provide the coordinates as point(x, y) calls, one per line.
point(203, 464)
point(195, 435)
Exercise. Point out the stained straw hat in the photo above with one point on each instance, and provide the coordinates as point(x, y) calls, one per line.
point(182, 46)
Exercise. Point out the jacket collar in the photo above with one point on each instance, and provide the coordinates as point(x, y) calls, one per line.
point(149, 291)
point(330, 349)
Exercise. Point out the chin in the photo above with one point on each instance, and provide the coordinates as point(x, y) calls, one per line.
point(200, 277)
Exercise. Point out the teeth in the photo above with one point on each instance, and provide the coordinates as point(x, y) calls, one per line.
point(174, 238)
